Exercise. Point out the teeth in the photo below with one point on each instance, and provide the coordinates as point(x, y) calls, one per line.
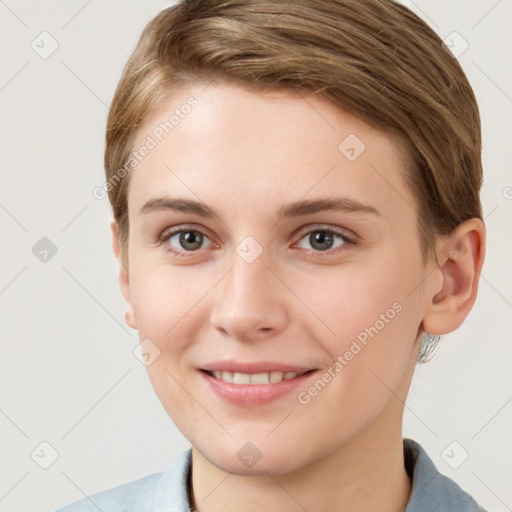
point(256, 378)
point(225, 376)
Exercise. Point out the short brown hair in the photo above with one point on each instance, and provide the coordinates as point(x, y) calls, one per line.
point(372, 58)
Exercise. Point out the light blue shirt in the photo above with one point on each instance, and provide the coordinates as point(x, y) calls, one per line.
point(166, 491)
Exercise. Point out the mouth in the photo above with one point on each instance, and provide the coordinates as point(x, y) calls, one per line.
point(273, 377)
point(255, 389)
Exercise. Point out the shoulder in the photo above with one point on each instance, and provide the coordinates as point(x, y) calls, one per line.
point(150, 493)
point(431, 490)
point(121, 498)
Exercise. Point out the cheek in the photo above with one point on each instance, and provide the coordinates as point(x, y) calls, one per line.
point(169, 306)
point(368, 322)
point(348, 300)
point(374, 334)
point(164, 298)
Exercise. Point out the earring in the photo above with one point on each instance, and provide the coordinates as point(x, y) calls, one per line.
point(428, 346)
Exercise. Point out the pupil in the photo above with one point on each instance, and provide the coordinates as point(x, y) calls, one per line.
point(319, 238)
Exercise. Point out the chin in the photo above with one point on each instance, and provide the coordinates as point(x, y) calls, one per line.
point(252, 459)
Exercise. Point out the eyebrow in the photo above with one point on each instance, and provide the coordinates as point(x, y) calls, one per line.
point(295, 209)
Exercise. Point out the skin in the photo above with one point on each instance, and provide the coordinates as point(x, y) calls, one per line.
point(244, 154)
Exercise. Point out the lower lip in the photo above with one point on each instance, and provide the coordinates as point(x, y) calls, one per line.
point(253, 394)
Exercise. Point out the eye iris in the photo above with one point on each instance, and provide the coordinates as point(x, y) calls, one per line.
point(321, 237)
point(191, 237)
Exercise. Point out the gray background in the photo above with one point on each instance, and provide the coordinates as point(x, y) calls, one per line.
point(68, 375)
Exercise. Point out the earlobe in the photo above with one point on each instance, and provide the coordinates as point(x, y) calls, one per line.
point(460, 259)
point(124, 278)
point(129, 317)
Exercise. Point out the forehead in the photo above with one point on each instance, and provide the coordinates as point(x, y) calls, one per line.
point(222, 141)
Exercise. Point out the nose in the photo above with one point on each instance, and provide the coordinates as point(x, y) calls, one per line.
point(250, 301)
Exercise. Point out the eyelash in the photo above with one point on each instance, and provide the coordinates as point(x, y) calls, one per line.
point(166, 235)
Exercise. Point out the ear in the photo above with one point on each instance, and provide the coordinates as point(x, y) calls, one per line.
point(124, 278)
point(460, 258)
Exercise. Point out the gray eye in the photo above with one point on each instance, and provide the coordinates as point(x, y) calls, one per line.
point(322, 239)
point(188, 240)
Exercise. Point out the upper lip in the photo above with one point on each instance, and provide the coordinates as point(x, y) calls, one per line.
point(254, 367)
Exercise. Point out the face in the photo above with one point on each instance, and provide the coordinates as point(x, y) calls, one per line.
point(268, 232)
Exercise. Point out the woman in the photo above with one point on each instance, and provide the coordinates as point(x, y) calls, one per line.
point(295, 188)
